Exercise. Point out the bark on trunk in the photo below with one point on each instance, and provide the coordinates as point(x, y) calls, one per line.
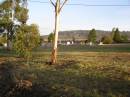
point(54, 56)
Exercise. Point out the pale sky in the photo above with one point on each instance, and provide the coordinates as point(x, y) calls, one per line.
point(81, 17)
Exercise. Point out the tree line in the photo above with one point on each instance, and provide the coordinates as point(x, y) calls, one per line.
point(114, 37)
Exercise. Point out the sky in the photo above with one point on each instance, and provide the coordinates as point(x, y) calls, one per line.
point(81, 17)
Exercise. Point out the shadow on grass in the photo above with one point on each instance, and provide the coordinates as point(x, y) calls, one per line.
point(61, 81)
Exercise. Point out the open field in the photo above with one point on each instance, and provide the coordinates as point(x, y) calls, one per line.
point(87, 48)
point(85, 55)
point(77, 74)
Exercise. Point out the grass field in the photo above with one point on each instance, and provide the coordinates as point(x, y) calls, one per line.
point(87, 48)
point(80, 72)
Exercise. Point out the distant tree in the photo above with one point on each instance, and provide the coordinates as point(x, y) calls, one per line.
point(41, 41)
point(92, 36)
point(113, 33)
point(51, 37)
point(107, 39)
point(27, 38)
point(117, 36)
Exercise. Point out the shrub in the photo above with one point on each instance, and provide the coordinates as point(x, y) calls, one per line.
point(27, 38)
point(106, 40)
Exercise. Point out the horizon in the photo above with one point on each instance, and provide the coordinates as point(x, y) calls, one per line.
point(87, 30)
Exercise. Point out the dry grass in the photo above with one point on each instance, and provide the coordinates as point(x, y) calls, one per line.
point(77, 74)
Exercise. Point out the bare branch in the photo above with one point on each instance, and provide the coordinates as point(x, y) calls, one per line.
point(52, 3)
point(63, 5)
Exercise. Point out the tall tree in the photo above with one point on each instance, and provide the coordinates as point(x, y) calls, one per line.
point(6, 21)
point(92, 36)
point(113, 33)
point(58, 5)
point(12, 10)
point(27, 37)
point(117, 36)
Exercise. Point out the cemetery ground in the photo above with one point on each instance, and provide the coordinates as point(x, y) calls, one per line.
point(81, 71)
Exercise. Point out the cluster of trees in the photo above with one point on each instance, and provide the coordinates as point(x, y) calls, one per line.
point(14, 30)
point(19, 13)
point(114, 37)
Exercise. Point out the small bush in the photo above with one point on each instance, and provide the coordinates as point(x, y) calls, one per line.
point(27, 38)
point(106, 40)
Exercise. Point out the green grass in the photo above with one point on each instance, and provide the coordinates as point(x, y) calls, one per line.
point(77, 48)
point(77, 74)
point(87, 48)
point(6, 53)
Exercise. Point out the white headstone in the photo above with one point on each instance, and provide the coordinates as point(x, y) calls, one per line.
point(5, 45)
point(68, 43)
point(101, 43)
point(90, 43)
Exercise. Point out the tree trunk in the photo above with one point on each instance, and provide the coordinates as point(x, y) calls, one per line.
point(9, 44)
point(54, 50)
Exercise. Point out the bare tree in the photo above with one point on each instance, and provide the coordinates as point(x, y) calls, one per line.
point(58, 5)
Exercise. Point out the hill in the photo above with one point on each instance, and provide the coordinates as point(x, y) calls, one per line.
point(82, 34)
